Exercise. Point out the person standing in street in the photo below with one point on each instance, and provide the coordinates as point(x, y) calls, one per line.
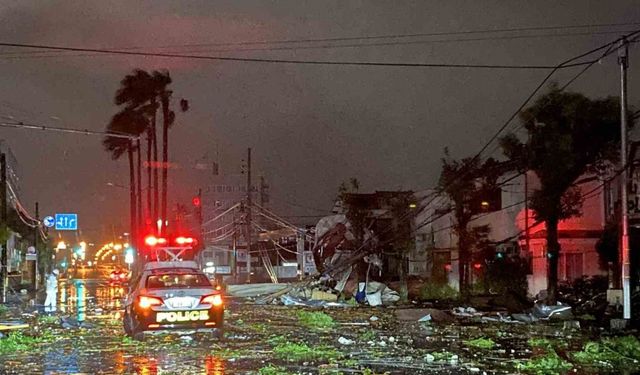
point(52, 291)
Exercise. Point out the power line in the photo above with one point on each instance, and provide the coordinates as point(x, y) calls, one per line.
point(22, 125)
point(294, 204)
point(286, 61)
point(40, 54)
point(387, 36)
point(537, 89)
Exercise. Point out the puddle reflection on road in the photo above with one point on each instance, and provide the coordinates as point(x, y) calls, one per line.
point(104, 347)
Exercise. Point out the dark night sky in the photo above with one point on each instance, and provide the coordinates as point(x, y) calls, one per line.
point(310, 127)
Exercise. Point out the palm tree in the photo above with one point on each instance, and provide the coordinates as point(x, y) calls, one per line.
point(127, 122)
point(138, 92)
point(162, 79)
point(146, 92)
point(569, 135)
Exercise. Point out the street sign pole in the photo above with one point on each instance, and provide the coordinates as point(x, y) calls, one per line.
point(3, 227)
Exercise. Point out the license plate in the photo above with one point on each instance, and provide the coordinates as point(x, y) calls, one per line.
point(181, 302)
point(182, 316)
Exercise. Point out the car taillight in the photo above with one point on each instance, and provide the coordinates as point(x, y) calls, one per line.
point(212, 299)
point(147, 301)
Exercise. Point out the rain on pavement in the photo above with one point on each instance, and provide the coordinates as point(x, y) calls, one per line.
point(376, 341)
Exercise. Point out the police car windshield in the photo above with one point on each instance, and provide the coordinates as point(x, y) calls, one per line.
point(177, 280)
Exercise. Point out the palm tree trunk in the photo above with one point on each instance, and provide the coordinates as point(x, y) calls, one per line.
point(132, 191)
point(149, 184)
point(165, 153)
point(155, 166)
point(139, 186)
point(553, 252)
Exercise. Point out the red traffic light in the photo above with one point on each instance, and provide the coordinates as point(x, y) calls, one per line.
point(196, 201)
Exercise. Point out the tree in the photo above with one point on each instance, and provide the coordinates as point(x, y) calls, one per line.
point(355, 209)
point(569, 135)
point(127, 122)
point(467, 183)
point(137, 92)
point(403, 214)
point(162, 81)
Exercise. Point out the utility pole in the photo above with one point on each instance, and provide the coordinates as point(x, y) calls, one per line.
point(623, 60)
point(526, 211)
point(3, 227)
point(35, 245)
point(248, 221)
point(199, 212)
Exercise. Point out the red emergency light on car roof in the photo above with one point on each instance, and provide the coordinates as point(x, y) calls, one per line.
point(153, 240)
point(184, 240)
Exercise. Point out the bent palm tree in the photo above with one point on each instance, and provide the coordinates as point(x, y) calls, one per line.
point(127, 122)
point(138, 92)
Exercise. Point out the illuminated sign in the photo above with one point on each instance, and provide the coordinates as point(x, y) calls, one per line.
point(182, 316)
point(66, 221)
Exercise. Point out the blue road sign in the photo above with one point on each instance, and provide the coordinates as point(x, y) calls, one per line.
point(66, 221)
point(48, 221)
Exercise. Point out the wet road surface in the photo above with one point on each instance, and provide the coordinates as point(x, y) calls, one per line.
point(87, 337)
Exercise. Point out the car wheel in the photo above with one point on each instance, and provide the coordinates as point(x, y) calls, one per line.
point(131, 327)
point(126, 323)
point(219, 333)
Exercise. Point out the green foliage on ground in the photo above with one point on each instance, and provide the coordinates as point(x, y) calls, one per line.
point(548, 364)
point(47, 319)
point(480, 343)
point(18, 341)
point(315, 319)
point(3, 310)
point(368, 335)
point(617, 352)
point(273, 370)
point(431, 291)
point(540, 343)
point(302, 352)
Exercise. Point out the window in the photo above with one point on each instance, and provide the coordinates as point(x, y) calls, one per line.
point(177, 280)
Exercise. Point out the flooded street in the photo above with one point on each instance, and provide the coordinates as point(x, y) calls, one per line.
point(89, 338)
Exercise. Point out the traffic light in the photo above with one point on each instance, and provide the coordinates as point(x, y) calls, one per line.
point(196, 201)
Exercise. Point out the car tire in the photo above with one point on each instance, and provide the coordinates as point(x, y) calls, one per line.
point(219, 333)
point(131, 328)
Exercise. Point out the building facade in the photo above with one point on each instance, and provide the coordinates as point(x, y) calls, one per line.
point(514, 230)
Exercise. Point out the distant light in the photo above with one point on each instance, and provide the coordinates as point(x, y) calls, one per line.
point(117, 246)
point(209, 264)
point(184, 240)
point(126, 244)
point(61, 245)
point(484, 204)
point(89, 263)
point(128, 258)
point(113, 257)
point(413, 205)
point(151, 241)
